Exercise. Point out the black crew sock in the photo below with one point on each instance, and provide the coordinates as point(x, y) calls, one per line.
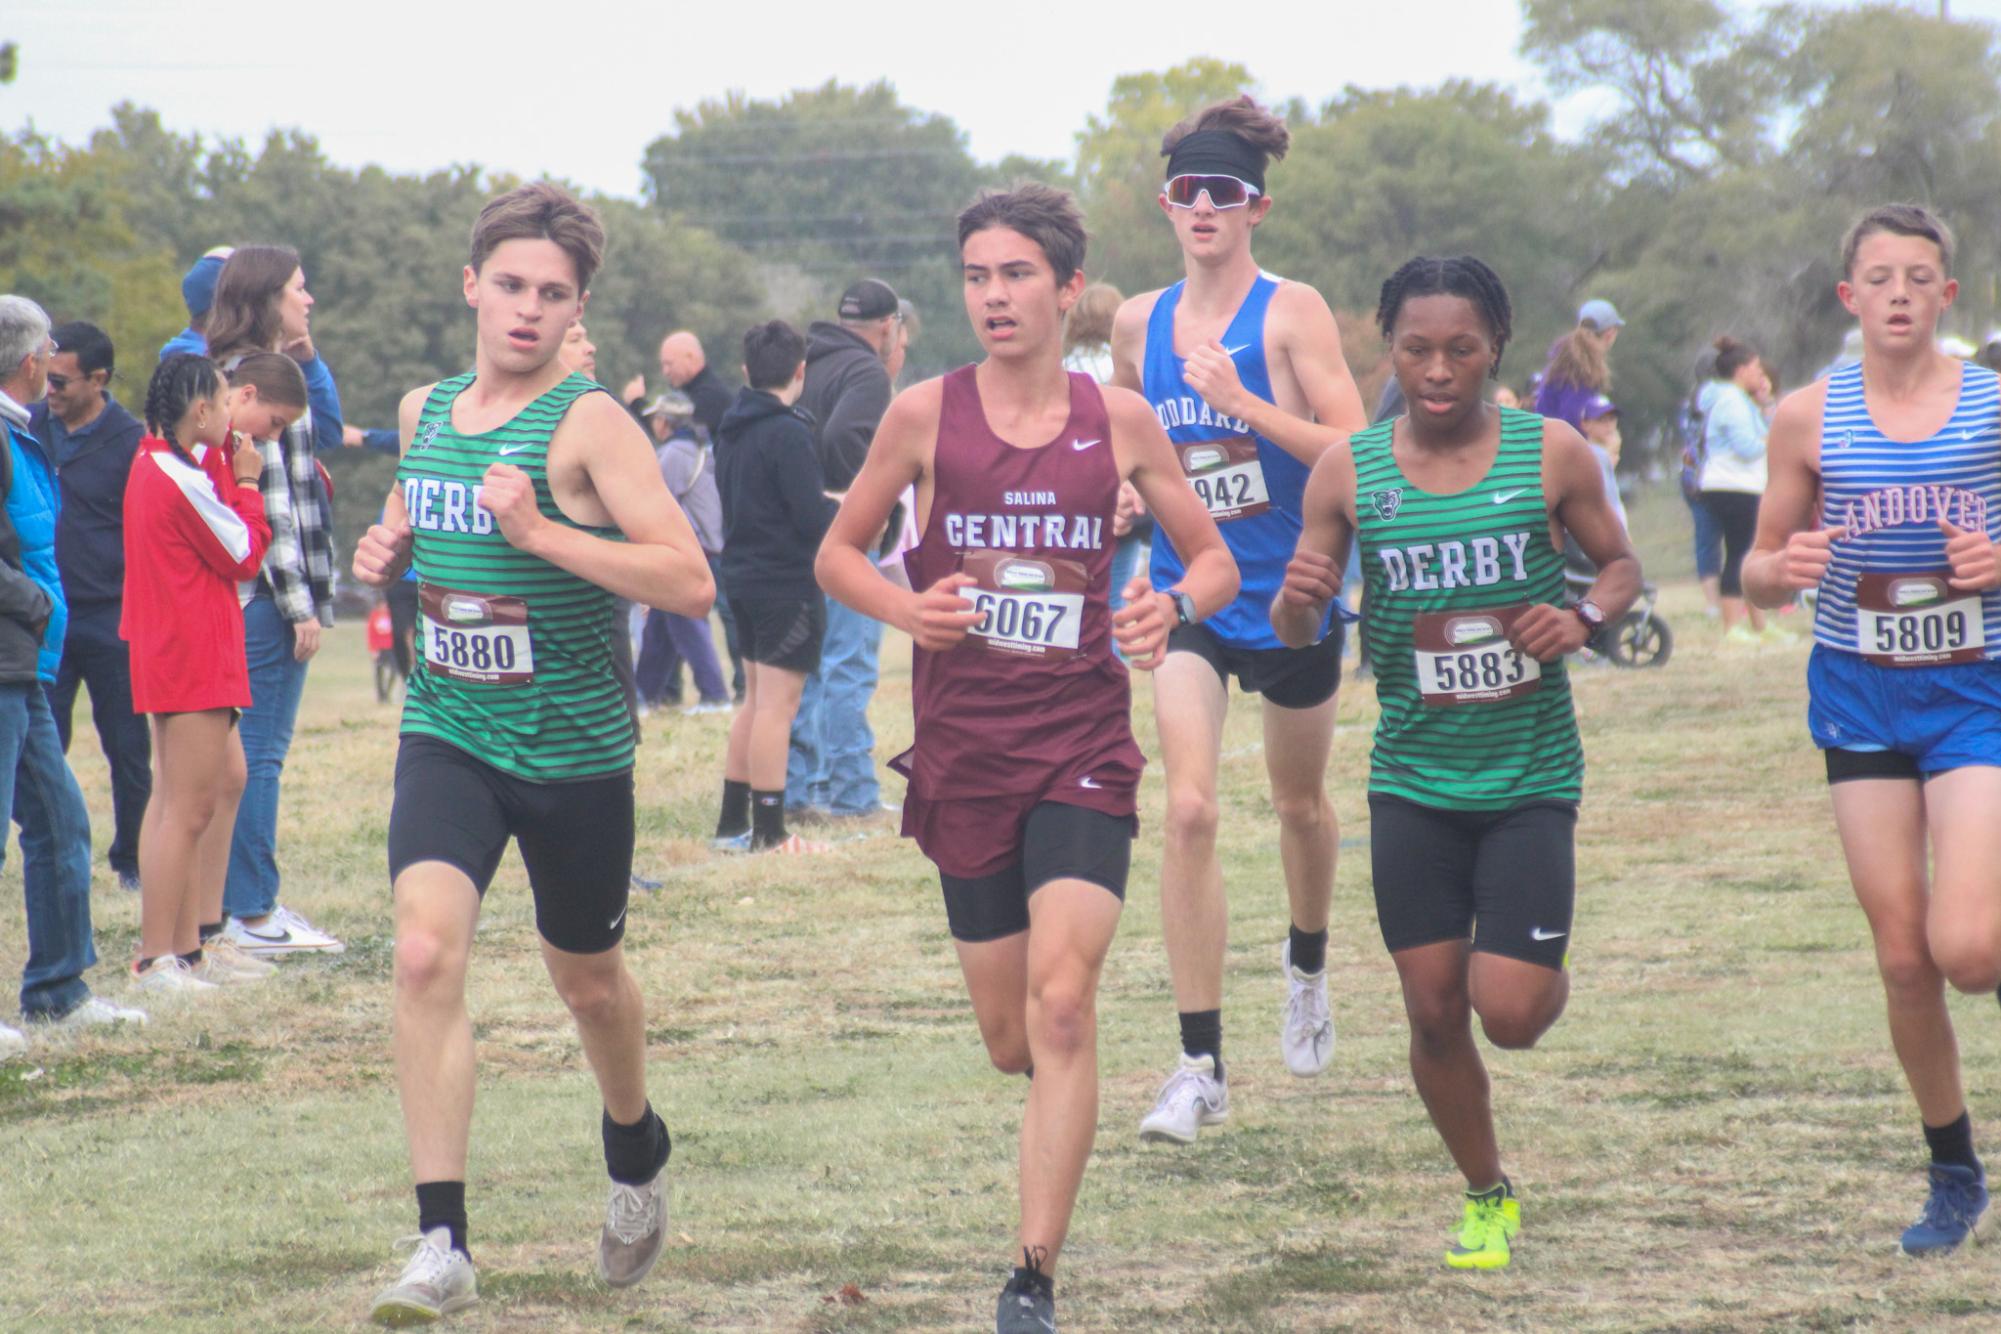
point(1953, 1142)
point(634, 1154)
point(1309, 950)
point(192, 958)
point(209, 930)
point(767, 818)
point(442, 1204)
point(735, 817)
point(1202, 1034)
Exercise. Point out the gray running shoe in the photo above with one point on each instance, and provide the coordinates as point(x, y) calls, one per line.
point(437, 1281)
point(635, 1226)
point(1027, 1305)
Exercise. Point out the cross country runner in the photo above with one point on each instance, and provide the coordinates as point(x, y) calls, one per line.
point(1885, 493)
point(529, 502)
point(1245, 371)
point(1474, 781)
point(1024, 774)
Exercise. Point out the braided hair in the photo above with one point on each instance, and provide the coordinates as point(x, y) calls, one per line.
point(1458, 275)
point(180, 380)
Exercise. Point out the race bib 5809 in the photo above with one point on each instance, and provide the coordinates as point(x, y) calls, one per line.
point(1227, 476)
point(475, 638)
point(1464, 657)
point(1030, 606)
point(1917, 620)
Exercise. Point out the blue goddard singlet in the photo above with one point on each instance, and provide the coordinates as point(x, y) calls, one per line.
point(1251, 487)
point(1884, 595)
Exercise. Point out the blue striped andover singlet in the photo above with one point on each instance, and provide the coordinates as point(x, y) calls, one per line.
point(1890, 494)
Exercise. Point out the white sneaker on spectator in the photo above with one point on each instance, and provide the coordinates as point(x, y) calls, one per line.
point(12, 1042)
point(436, 1282)
point(284, 932)
point(224, 962)
point(97, 1012)
point(169, 975)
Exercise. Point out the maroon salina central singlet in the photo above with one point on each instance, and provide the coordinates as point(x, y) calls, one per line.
point(1033, 700)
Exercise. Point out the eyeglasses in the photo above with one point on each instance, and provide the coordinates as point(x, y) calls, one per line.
point(1223, 191)
point(60, 383)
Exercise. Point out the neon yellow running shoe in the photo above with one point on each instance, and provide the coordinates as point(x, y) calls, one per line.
point(1492, 1219)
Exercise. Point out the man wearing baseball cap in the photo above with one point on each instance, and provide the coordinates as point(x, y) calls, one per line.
point(832, 766)
point(198, 291)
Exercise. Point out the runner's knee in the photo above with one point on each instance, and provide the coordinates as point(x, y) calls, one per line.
point(592, 993)
point(1438, 1019)
point(426, 961)
point(1191, 814)
point(1303, 810)
point(1970, 961)
point(1908, 973)
point(1518, 1025)
point(1060, 1015)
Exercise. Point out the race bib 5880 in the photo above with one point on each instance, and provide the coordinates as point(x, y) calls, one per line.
point(476, 639)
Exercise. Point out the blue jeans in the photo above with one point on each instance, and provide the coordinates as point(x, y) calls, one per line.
point(1708, 538)
point(94, 655)
point(55, 853)
point(832, 764)
point(277, 679)
point(669, 641)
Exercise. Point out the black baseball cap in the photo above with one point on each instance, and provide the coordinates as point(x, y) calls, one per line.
point(869, 299)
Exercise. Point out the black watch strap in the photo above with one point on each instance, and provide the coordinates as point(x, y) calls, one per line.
point(1184, 607)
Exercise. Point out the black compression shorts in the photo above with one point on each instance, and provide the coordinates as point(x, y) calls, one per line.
point(1058, 842)
point(1292, 678)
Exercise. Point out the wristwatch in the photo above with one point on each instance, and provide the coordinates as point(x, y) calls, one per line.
point(1588, 612)
point(1184, 608)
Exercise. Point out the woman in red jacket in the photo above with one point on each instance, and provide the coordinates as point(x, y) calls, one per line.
point(194, 529)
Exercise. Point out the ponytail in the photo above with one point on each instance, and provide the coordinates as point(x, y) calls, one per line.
point(180, 380)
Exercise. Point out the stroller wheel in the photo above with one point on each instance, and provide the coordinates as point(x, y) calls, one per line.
point(1640, 639)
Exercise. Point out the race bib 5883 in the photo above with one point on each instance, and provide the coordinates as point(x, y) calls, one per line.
point(1464, 657)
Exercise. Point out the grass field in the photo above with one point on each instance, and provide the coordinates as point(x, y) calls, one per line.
point(1715, 1136)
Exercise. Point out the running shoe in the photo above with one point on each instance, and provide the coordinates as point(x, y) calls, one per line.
point(97, 1012)
point(635, 1226)
point(1306, 1029)
point(1027, 1304)
point(1952, 1212)
point(794, 845)
point(284, 932)
point(224, 962)
point(128, 882)
point(1487, 1230)
point(1191, 1098)
point(1741, 635)
point(169, 975)
point(1774, 633)
point(436, 1282)
point(731, 842)
point(13, 1042)
point(708, 706)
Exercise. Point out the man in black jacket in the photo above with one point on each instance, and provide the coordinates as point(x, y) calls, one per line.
point(775, 511)
point(686, 367)
point(832, 766)
point(91, 439)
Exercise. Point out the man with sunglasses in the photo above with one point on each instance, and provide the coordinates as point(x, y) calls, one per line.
point(1245, 372)
point(90, 439)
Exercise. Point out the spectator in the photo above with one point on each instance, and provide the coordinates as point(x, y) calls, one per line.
point(1989, 354)
point(198, 293)
point(687, 464)
point(832, 768)
point(1733, 476)
point(1706, 535)
point(89, 439)
point(1599, 423)
point(35, 780)
point(1577, 370)
point(687, 369)
point(262, 305)
point(775, 511)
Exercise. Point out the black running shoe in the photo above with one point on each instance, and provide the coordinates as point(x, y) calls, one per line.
point(1027, 1304)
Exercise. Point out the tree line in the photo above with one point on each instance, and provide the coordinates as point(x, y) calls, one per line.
point(1709, 196)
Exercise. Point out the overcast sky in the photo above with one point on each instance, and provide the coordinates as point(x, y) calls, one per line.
point(577, 90)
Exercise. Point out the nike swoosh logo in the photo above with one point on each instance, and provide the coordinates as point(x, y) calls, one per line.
point(1503, 497)
point(613, 926)
point(1233, 351)
point(505, 450)
point(1091, 783)
point(1537, 933)
point(1082, 445)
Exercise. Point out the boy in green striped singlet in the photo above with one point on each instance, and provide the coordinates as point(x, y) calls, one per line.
point(529, 502)
point(1474, 781)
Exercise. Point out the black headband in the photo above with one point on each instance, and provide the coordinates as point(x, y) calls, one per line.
point(1218, 153)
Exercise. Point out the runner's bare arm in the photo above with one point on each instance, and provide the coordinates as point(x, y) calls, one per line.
point(1575, 488)
point(1303, 330)
point(660, 564)
point(1209, 575)
point(1129, 340)
point(1327, 530)
point(1789, 553)
point(383, 553)
point(936, 617)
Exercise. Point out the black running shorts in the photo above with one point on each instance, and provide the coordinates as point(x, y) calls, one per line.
point(1507, 879)
point(781, 632)
point(575, 838)
point(1058, 842)
point(1292, 678)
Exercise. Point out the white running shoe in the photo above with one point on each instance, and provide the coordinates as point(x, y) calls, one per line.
point(286, 932)
point(1306, 1029)
point(635, 1227)
point(436, 1282)
point(97, 1012)
point(169, 975)
point(1191, 1098)
point(224, 962)
point(13, 1042)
